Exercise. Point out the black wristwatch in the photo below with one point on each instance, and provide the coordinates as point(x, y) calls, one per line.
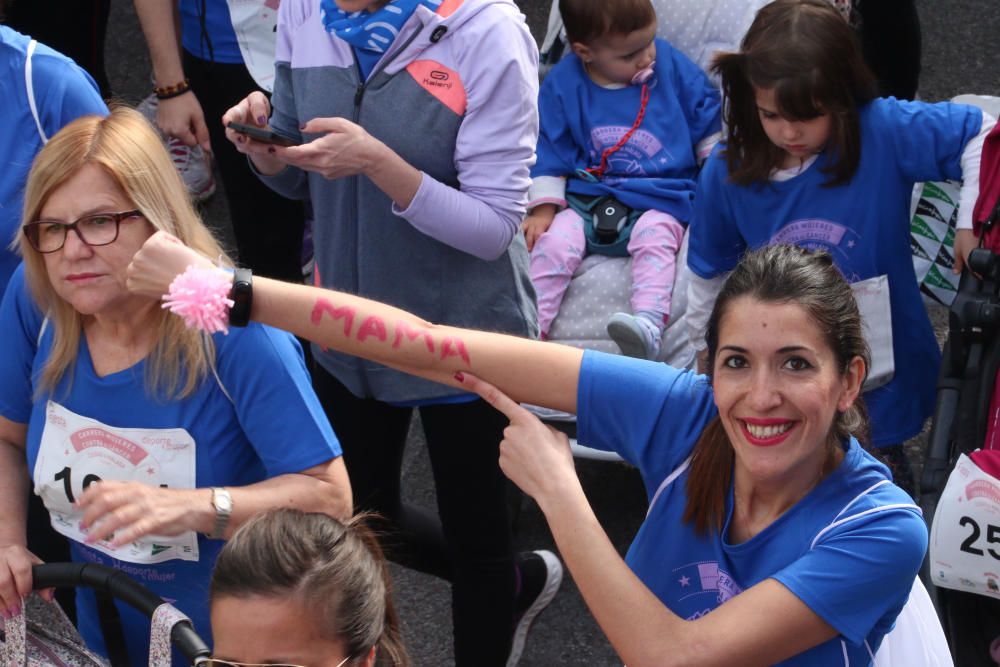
point(242, 296)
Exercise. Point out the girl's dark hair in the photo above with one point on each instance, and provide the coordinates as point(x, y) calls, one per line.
point(808, 54)
point(777, 274)
point(335, 570)
point(587, 20)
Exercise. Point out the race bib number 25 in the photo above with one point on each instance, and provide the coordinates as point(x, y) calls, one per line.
point(76, 451)
point(965, 536)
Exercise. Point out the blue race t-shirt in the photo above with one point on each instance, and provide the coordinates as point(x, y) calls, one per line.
point(850, 549)
point(270, 424)
point(207, 31)
point(63, 92)
point(865, 226)
point(657, 167)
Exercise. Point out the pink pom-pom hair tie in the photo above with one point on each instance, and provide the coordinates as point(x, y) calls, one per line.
point(200, 296)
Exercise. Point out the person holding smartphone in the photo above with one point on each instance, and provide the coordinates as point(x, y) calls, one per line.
point(415, 156)
point(196, 78)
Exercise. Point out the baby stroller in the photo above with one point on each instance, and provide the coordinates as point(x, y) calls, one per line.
point(42, 635)
point(962, 562)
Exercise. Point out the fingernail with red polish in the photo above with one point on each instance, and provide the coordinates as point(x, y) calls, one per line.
point(271, 149)
point(261, 120)
point(460, 377)
point(302, 126)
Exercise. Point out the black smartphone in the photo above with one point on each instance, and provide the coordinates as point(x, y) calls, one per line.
point(262, 134)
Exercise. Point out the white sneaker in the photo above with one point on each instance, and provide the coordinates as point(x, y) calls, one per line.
point(193, 165)
point(636, 336)
point(543, 591)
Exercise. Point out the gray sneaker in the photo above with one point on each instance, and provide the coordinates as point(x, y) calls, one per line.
point(634, 336)
point(193, 165)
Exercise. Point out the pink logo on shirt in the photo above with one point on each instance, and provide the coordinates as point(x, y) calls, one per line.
point(441, 82)
point(98, 437)
point(448, 7)
point(982, 488)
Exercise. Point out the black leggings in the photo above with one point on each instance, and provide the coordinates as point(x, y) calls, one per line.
point(268, 227)
point(471, 544)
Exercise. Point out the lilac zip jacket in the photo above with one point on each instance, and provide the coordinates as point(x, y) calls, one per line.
point(455, 96)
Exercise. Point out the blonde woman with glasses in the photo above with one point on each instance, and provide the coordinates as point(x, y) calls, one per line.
point(148, 443)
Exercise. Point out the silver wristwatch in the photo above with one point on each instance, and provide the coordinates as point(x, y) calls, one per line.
point(222, 501)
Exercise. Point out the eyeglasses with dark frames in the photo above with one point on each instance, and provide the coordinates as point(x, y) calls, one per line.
point(98, 229)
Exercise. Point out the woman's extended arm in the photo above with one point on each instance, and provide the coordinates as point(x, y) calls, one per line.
point(761, 626)
point(539, 373)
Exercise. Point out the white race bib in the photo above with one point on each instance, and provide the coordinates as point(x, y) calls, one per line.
point(76, 451)
point(255, 23)
point(965, 535)
point(872, 296)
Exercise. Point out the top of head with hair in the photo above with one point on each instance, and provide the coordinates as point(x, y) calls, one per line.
point(587, 20)
point(336, 570)
point(808, 53)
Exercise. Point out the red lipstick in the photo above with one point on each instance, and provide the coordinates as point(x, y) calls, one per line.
point(769, 441)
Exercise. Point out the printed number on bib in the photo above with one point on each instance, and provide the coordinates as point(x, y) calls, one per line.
point(965, 535)
point(76, 451)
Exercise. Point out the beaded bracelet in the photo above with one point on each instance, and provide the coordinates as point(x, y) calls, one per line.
point(166, 92)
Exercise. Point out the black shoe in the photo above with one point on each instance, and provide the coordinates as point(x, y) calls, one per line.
point(541, 574)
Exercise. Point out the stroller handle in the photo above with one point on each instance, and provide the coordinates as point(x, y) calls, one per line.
point(118, 585)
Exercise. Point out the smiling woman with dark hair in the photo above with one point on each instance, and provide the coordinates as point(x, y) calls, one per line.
point(772, 535)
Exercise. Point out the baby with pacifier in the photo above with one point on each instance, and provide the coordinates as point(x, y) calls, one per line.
point(626, 120)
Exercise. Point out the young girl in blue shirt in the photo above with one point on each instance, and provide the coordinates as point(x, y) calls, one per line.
point(812, 157)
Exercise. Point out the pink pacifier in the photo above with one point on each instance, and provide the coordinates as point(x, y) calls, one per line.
point(642, 76)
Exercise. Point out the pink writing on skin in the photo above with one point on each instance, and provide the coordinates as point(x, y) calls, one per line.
point(373, 326)
point(336, 312)
point(454, 347)
point(404, 329)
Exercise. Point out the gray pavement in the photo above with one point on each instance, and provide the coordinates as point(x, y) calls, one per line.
point(960, 56)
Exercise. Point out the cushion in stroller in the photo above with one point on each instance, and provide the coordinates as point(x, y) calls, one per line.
point(601, 287)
